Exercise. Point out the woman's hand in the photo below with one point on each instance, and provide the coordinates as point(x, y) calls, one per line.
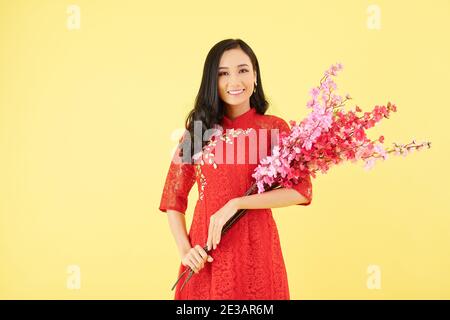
point(218, 220)
point(195, 258)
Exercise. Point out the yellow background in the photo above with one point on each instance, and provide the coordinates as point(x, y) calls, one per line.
point(89, 119)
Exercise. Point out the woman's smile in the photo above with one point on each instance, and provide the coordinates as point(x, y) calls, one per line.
point(235, 92)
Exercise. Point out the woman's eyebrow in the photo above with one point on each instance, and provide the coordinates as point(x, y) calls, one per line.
point(241, 65)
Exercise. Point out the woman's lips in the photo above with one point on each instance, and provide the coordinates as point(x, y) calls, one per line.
point(235, 92)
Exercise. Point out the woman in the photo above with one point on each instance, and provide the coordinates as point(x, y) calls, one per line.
point(247, 263)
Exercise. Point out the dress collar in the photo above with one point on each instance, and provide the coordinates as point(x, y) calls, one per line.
point(246, 115)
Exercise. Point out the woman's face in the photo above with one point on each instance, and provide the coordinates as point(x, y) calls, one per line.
point(236, 77)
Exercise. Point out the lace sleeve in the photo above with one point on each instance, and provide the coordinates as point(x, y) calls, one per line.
point(304, 186)
point(179, 181)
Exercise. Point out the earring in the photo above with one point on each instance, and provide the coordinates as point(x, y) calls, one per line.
point(254, 90)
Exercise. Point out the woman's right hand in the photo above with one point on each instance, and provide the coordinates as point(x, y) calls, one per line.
point(195, 258)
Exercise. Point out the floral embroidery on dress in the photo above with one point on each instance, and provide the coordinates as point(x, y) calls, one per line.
point(202, 179)
point(207, 153)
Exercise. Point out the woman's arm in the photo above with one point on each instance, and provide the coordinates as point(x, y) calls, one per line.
point(277, 198)
point(177, 224)
point(194, 257)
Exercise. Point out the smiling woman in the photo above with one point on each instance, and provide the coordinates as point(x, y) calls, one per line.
point(247, 263)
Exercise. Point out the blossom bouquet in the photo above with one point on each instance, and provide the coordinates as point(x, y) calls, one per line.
point(327, 136)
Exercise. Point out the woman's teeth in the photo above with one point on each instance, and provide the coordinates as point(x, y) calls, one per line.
point(236, 92)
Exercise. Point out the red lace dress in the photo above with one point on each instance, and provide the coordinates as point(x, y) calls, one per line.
point(248, 262)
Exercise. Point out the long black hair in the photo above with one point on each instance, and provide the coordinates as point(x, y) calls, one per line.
point(208, 107)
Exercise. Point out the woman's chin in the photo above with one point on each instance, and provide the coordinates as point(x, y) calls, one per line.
point(235, 101)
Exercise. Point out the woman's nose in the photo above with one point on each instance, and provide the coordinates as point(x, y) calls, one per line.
point(234, 79)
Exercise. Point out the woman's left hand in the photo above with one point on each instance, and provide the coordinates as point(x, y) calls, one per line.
point(218, 220)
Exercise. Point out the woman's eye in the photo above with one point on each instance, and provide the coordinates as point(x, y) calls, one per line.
point(222, 73)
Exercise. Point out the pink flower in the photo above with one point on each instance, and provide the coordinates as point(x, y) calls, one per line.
point(326, 137)
point(359, 134)
point(369, 163)
point(314, 92)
